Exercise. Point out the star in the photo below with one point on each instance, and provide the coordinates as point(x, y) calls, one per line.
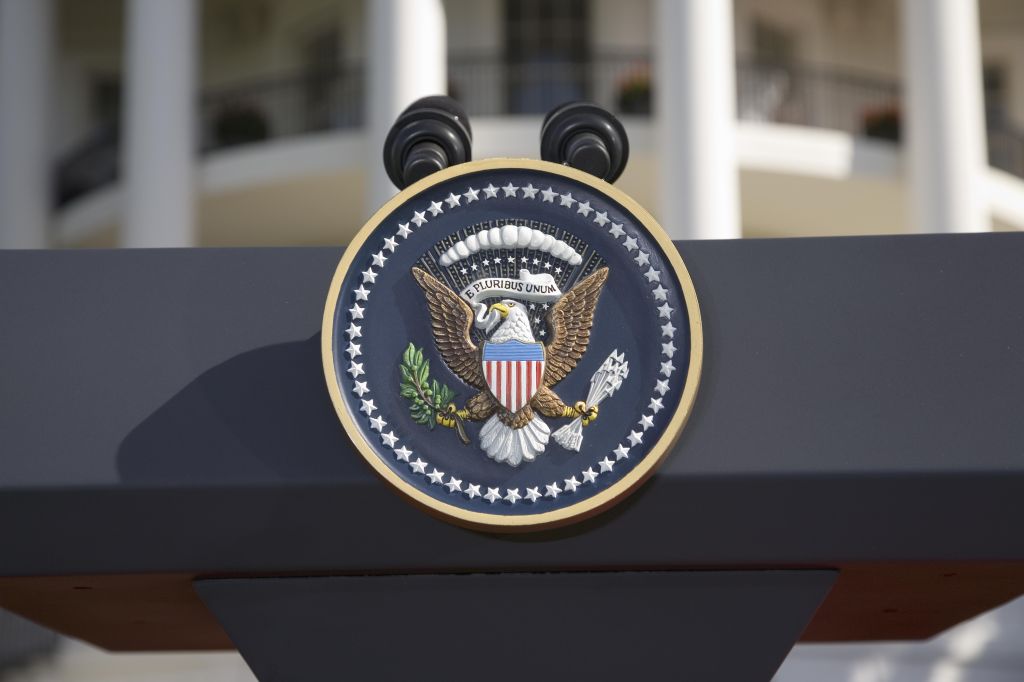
point(642, 259)
point(355, 369)
point(510, 190)
point(525, 259)
point(601, 218)
point(513, 496)
point(464, 271)
point(369, 276)
point(646, 421)
point(533, 306)
point(652, 275)
point(419, 217)
point(536, 320)
point(547, 266)
point(492, 495)
point(361, 388)
point(571, 484)
point(490, 191)
point(356, 312)
point(436, 477)
point(635, 437)
point(435, 208)
point(567, 199)
point(667, 367)
point(543, 332)
point(378, 424)
point(548, 195)
point(453, 484)
point(656, 405)
point(616, 230)
point(664, 310)
point(532, 494)
point(389, 438)
point(536, 261)
point(530, 192)
point(403, 453)
point(354, 330)
point(471, 195)
point(353, 350)
point(511, 259)
point(453, 200)
point(621, 452)
point(630, 243)
point(404, 231)
point(419, 466)
point(474, 267)
point(362, 293)
point(606, 464)
point(660, 293)
point(473, 490)
point(552, 490)
point(667, 329)
point(589, 476)
point(368, 407)
point(485, 262)
point(390, 243)
point(668, 349)
point(584, 208)
point(661, 387)
point(558, 269)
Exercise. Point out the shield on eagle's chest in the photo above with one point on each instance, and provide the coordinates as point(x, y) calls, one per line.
point(514, 371)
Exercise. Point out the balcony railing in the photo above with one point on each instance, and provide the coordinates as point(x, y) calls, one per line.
point(491, 86)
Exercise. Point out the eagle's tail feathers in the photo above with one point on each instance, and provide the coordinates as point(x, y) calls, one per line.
point(502, 443)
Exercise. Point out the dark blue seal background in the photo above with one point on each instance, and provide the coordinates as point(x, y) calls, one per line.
point(627, 319)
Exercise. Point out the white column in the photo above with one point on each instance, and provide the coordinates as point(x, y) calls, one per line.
point(695, 108)
point(406, 58)
point(159, 138)
point(945, 124)
point(26, 45)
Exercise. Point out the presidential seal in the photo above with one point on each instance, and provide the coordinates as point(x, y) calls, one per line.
point(512, 344)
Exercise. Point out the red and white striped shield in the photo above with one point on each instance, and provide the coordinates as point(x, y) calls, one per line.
point(514, 371)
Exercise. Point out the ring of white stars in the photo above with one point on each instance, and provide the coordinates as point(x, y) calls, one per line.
point(511, 496)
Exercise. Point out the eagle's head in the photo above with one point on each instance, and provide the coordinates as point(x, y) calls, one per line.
point(514, 322)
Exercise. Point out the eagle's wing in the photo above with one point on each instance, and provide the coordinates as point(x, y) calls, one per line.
point(570, 321)
point(451, 319)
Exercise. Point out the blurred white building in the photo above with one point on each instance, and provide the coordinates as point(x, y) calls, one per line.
point(260, 122)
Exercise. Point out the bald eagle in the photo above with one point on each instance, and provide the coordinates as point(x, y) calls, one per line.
point(510, 436)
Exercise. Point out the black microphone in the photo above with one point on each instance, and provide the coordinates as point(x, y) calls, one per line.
point(586, 137)
point(432, 134)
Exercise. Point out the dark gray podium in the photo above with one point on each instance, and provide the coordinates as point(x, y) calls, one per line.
point(172, 474)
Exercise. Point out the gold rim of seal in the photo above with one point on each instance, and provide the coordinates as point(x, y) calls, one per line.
point(584, 508)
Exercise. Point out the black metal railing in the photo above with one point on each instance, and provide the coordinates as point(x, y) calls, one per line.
point(300, 103)
point(489, 85)
point(1006, 148)
point(247, 113)
point(817, 97)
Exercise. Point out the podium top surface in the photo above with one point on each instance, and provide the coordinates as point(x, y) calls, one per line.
point(164, 413)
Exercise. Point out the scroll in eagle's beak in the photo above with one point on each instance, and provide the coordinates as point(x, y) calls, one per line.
point(501, 308)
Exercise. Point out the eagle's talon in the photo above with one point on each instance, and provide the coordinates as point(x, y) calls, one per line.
point(580, 407)
point(450, 415)
point(590, 416)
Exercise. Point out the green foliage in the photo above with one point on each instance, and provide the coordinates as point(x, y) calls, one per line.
point(426, 396)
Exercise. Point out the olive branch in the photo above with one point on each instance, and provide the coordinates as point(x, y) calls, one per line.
point(428, 397)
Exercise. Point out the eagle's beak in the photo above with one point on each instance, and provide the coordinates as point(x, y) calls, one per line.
point(501, 308)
